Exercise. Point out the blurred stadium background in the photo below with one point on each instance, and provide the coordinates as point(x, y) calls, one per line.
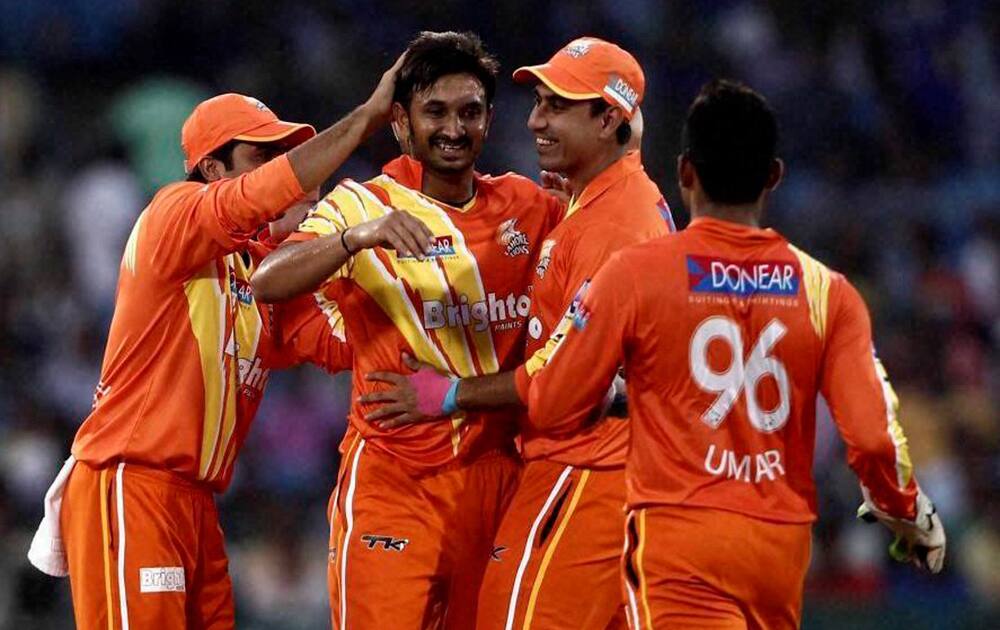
point(890, 117)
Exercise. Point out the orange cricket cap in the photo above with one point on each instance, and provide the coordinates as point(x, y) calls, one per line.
point(588, 68)
point(227, 117)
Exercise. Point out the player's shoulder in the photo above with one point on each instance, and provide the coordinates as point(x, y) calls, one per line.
point(511, 184)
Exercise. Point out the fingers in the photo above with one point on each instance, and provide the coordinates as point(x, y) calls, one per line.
point(408, 235)
point(390, 395)
point(387, 410)
point(386, 377)
point(400, 421)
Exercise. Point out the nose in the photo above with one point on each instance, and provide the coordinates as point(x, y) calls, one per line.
point(536, 119)
point(453, 127)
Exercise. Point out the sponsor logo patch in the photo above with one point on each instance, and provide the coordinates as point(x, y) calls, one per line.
point(514, 241)
point(388, 543)
point(161, 580)
point(240, 289)
point(707, 274)
point(622, 92)
point(443, 246)
point(495, 554)
point(581, 314)
point(506, 313)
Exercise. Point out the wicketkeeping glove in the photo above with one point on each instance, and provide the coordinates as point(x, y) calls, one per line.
point(920, 542)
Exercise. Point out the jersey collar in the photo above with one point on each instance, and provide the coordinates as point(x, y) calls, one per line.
point(410, 173)
point(624, 166)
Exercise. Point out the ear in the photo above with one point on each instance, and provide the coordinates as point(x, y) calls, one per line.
point(686, 174)
point(775, 173)
point(489, 121)
point(211, 169)
point(610, 119)
point(401, 126)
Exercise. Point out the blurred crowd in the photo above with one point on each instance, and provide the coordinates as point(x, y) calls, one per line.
point(890, 123)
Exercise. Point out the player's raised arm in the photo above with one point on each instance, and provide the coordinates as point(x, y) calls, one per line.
point(241, 186)
point(568, 393)
point(865, 407)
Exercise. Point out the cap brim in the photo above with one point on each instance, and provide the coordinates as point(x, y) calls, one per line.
point(291, 134)
point(558, 80)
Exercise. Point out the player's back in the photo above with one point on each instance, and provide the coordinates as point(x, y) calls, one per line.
point(733, 320)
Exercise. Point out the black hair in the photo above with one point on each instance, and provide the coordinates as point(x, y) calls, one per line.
point(432, 55)
point(224, 154)
point(624, 131)
point(730, 136)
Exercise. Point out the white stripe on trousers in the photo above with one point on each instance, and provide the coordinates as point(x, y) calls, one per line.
point(633, 607)
point(121, 546)
point(349, 516)
point(512, 607)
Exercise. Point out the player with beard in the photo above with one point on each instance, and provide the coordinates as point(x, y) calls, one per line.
point(415, 509)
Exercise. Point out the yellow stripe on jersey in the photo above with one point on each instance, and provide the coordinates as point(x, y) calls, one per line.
point(543, 355)
point(816, 278)
point(460, 272)
point(132, 245)
point(248, 327)
point(207, 310)
point(904, 466)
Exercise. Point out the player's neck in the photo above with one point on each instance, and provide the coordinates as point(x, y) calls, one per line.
point(743, 214)
point(454, 189)
point(588, 172)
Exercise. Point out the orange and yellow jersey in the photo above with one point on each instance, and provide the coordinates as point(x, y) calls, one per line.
point(728, 333)
point(620, 207)
point(189, 348)
point(463, 309)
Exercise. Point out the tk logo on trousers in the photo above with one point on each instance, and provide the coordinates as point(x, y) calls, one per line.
point(388, 542)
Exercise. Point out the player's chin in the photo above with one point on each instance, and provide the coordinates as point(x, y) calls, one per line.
point(551, 161)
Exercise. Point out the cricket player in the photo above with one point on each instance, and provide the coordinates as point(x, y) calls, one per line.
point(564, 531)
point(728, 333)
point(415, 509)
point(132, 515)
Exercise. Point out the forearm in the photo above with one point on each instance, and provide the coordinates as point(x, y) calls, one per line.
point(491, 390)
point(314, 161)
point(298, 267)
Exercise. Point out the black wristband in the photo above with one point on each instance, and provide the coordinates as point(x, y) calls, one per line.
point(343, 242)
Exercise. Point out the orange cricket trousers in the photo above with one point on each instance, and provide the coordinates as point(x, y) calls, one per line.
point(709, 569)
point(558, 552)
point(145, 551)
point(407, 549)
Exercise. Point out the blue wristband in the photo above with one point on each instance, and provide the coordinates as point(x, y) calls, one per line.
point(450, 404)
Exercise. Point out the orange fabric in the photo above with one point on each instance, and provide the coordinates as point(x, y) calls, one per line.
point(169, 556)
point(561, 537)
point(463, 309)
point(728, 334)
point(189, 349)
point(705, 569)
point(620, 207)
point(588, 68)
point(408, 549)
point(226, 117)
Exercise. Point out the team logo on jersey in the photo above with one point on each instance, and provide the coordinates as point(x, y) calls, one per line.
point(240, 289)
point(514, 241)
point(544, 257)
point(99, 393)
point(388, 543)
point(707, 274)
point(443, 246)
point(578, 48)
point(507, 313)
